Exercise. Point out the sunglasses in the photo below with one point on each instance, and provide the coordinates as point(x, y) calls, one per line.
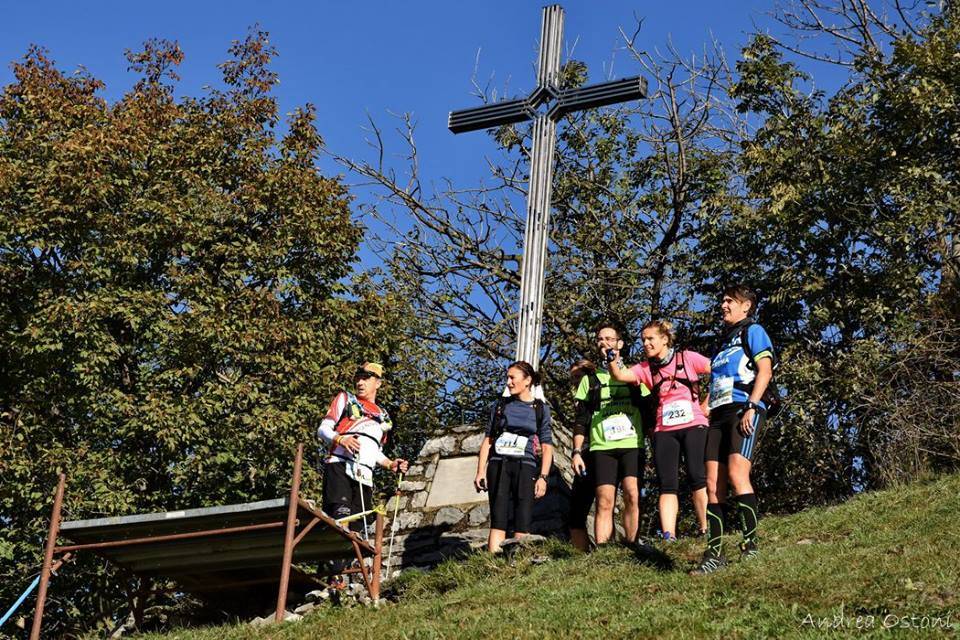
point(363, 374)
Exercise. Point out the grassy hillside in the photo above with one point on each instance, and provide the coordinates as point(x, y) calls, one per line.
point(890, 558)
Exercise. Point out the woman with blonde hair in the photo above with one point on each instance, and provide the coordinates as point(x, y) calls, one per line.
point(673, 376)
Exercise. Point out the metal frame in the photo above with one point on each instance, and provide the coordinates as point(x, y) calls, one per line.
point(292, 537)
point(557, 103)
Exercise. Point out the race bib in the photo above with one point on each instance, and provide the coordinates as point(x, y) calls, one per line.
point(359, 472)
point(677, 412)
point(511, 445)
point(618, 427)
point(721, 391)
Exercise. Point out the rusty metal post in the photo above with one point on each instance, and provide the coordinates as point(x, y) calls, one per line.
point(48, 557)
point(288, 535)
point(377, 559)
point(367, 580)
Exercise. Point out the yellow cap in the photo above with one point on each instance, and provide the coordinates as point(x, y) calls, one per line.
point(373, 367)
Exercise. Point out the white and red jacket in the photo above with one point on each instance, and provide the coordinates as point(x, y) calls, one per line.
point(350, 415)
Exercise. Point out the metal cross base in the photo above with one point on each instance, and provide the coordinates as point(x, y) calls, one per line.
point(545, 106)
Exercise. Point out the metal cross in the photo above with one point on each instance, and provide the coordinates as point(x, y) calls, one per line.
point(545, 106)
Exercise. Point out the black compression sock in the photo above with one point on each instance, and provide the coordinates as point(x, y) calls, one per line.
point(749, 515)
point(726, 508)
point(715, 524)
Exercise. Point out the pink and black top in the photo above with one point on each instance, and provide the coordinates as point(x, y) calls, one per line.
point(675, 382)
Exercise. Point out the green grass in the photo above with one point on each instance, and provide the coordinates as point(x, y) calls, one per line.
point(889, 555)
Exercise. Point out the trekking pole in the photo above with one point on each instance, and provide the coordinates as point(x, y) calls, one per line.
point(363, 509)
point(393, 525)
point(33, 585)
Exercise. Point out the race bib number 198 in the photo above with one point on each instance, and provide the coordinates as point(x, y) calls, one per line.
point(618, 427)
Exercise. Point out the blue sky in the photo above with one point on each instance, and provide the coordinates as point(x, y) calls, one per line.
point(351, 59)
point(354, 58)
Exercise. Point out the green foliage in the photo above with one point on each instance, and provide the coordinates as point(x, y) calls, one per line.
point(853, 229)
point(177, 303)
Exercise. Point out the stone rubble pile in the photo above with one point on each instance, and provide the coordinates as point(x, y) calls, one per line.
point(354, 594)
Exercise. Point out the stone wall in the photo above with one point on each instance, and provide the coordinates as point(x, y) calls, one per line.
point(440, 513)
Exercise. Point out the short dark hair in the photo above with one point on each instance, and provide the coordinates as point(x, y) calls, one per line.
point(743, 293)
point(611, 323)
point(527, 369)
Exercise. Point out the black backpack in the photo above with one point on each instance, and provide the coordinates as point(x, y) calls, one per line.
point(771, 397)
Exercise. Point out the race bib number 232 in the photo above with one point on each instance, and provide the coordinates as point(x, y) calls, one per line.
point(677, 412)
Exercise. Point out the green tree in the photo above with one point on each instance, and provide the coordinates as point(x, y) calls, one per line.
point(853, 229)
point(177, 303)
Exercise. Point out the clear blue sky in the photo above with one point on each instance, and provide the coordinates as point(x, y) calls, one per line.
point(350, 58)
point(354, 58)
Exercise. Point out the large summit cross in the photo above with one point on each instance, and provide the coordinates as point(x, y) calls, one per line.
point(545, 106)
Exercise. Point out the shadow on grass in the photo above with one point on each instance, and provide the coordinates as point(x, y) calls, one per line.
point(651, 556)
point(474, 567)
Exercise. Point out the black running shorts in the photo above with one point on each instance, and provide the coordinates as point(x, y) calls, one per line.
point(724, 438)
point(611, 467)
point(667, 446)
point(343, 496)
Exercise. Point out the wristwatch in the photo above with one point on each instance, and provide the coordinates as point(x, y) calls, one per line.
point(577, 452)
point(753, 405)
point(542, 477)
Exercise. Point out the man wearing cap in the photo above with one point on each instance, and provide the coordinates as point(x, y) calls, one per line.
point(355, 429)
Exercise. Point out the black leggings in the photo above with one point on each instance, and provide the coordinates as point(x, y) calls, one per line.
point(511, 485)
point(582, 494)
point(666, 455)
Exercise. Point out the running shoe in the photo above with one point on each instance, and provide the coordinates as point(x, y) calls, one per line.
point(710, 562)
point(748, 550)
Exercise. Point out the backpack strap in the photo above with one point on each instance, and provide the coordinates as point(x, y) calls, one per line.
point(729, 334)
point(745, 345)
point(593, 395)
point(687, 381)
point(538, 410)
point(499, 417)
point(748, 352)
point(744, 334)
point(693, 383)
